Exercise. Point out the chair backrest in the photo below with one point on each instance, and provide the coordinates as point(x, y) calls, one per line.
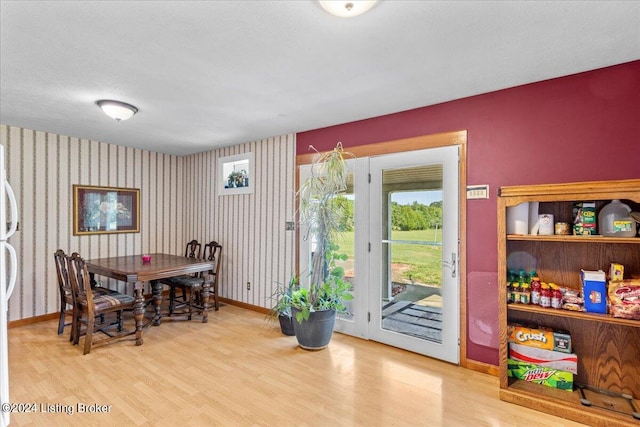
point(213, 252)
point(193, 249)
point(64, 284)
point(80, 282)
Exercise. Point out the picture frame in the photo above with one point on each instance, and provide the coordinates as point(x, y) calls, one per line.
point(235, 174)
point(105, 210)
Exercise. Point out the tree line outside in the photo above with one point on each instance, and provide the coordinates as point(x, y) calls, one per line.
point(415, 216)
point(411, 263)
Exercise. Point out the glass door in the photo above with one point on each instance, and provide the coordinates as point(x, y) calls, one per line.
point(401, 240)
point(414, 292)
point(352, 242)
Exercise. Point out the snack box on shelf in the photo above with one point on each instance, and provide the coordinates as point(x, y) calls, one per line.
point(624, 299)
point(540, 337)
point(594, 289)
point(546, 358)
point(550, 377)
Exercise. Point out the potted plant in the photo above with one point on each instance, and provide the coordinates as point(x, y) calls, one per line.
point(314, 307)
point(282, 307)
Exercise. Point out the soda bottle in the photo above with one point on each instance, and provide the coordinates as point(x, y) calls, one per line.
point(536, 286)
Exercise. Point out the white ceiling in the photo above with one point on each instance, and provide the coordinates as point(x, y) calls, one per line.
point(206, 74)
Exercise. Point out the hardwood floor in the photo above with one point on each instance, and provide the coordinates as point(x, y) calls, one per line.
point(239, 370)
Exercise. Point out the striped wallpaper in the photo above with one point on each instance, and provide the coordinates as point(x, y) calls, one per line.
point(250, 227)
point(178, 203)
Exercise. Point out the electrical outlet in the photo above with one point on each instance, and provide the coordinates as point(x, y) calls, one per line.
point(289, 226)
point(248, 286)
point(477, 191)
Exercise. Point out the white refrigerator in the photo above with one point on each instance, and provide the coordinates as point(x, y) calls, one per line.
point(8, 271)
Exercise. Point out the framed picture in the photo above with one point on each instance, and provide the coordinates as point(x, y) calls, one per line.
point(102, 210)
point(235, 174)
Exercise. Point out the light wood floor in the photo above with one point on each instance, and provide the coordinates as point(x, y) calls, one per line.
point(238, 370)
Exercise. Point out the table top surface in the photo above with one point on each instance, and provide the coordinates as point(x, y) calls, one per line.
point(131, 268)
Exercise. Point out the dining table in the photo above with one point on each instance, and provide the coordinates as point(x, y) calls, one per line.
point(133, 269)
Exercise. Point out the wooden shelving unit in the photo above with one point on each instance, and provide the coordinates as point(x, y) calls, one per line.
point(608, 348)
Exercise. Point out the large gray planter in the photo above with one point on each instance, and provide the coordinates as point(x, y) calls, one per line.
point(315, 333)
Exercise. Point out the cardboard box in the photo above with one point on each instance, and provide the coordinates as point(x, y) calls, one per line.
point(546, 358)
point(549, 377)
point(534, 337)
point(594, 289)
point(584, 214)
point(616, 272)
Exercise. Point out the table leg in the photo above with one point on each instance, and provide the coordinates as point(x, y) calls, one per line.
point(138, 311)
point(205, 301)
point(156, 289)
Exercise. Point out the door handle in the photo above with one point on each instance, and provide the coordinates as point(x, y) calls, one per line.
point(451, 264)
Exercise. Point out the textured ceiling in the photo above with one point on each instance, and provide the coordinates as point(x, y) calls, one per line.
point(206, 74)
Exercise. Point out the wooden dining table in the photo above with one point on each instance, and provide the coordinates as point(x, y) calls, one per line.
point(132, 269)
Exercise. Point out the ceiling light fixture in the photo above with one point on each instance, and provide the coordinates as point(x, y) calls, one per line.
point(346, 9)
point(116, 109)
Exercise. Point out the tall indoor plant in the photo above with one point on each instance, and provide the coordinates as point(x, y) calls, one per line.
point(314, 307)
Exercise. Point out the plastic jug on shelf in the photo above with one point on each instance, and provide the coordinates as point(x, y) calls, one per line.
point(614, 220)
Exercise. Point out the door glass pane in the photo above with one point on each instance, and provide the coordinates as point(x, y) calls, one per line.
point(346, 241)
point(411, 295)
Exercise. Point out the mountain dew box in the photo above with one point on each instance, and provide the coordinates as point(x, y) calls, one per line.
point(550, 377)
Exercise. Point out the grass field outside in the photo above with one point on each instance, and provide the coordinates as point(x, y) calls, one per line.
point(411, 263)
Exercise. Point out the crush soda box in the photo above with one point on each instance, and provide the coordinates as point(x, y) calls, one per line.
point(535, 337)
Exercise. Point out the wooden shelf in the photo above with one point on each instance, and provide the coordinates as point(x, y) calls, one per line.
point(573, 239)
point(596, 317)
point(563, 403)
point(607, 347)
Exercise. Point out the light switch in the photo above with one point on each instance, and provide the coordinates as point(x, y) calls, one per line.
point(477, 191)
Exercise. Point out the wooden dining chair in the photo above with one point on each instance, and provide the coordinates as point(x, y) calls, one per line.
point(66, 294)
point(67, 306)
point(88, 306)
point(192, 250)
point(213, 252)
point(195, 294)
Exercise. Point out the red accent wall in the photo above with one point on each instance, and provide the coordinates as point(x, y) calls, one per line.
point(582, 127)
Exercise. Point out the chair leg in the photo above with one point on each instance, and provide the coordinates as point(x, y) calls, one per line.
point(89, 335)
point(191, 300)
point(63, 306)
point(77, 326)
point(215, 294)
point(72, 335)
point(172, 300)
point(119, 314)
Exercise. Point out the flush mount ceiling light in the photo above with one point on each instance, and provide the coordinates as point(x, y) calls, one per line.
point(116, 109)
point(346, 9)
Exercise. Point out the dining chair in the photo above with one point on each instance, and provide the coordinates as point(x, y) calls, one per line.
point(66, 294)
point(88, 306)
point(213, 252)
point(192, 250)
point(195, 294)
point(67, 306)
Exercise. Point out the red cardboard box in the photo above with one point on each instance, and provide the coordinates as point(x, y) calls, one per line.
point(549, 359)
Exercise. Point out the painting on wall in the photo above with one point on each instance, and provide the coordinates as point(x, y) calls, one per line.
point(235, 174)
point(103, 210)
